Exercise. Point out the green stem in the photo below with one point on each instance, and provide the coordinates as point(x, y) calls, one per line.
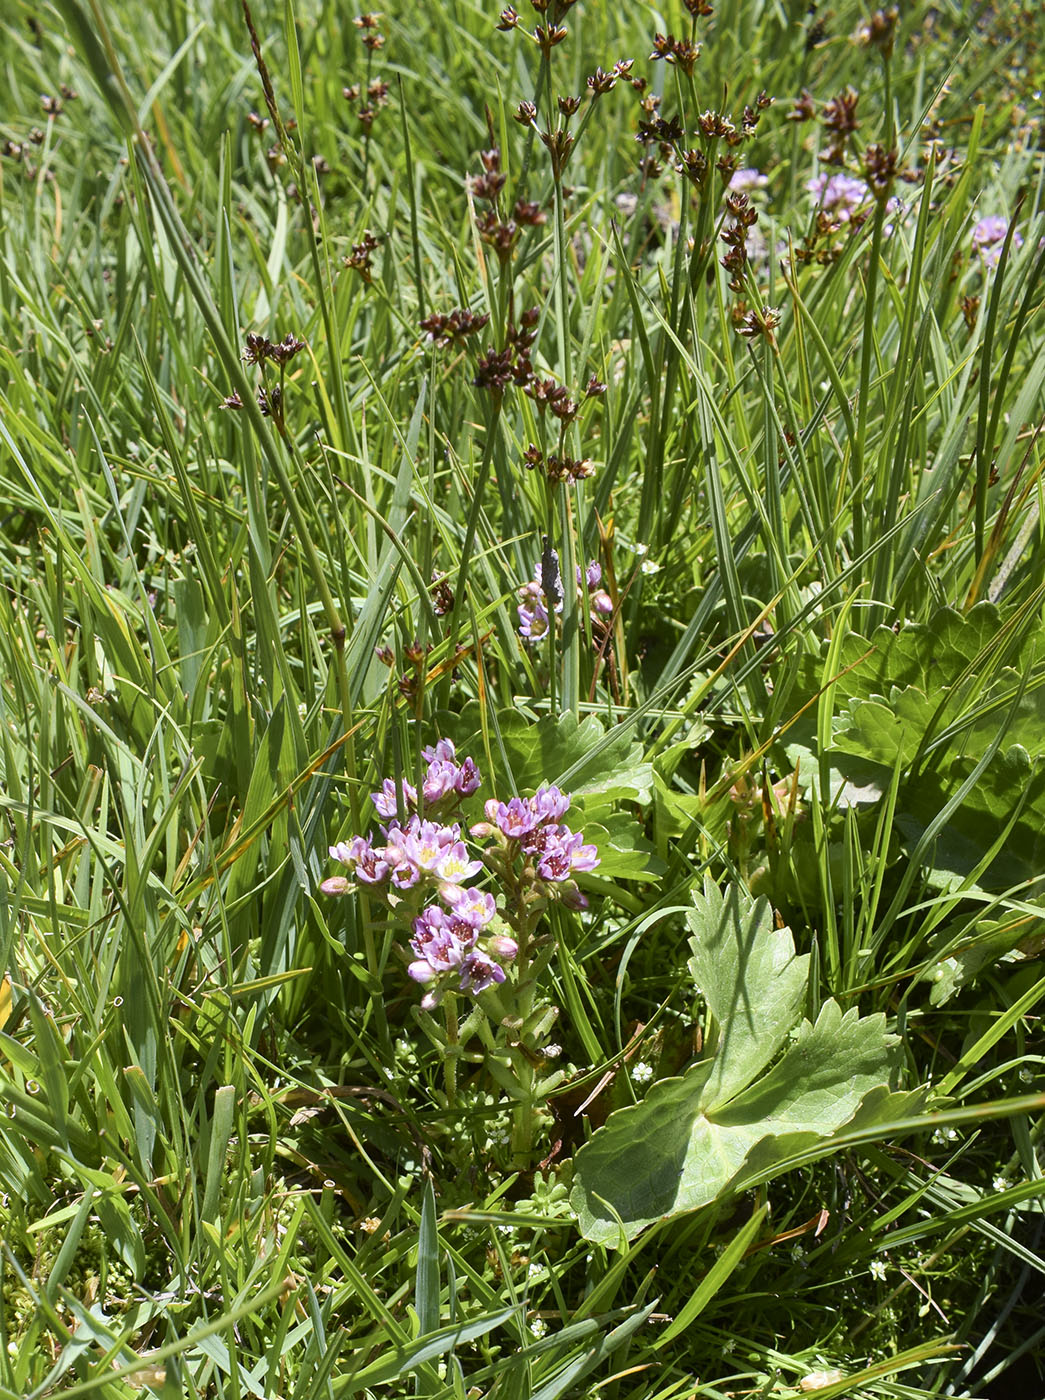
point(866, 354)
point(453, 1040)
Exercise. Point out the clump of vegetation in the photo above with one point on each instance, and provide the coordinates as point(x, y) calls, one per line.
point(570, 489)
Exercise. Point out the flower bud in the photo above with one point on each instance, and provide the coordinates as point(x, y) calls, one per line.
point(337, 884)
point(421, 971)
point(503, 947)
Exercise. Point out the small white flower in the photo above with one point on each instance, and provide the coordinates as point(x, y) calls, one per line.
point(505, 1229)
point(877, 1269)
point(641, 549)
point(642, 1073)
point(1000, 1184)
point(535, 1271)
point(1026, 1074)
point(552, 1052)
point(538, 1327)
point(649, 566)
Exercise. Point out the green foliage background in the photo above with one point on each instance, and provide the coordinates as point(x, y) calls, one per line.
point(227, 1161)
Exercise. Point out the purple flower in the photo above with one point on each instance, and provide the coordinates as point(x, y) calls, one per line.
point(746, 179)
point(386, 801)
point(988, 238)
point(560, 851)
point(514, 818)
point(369, 864)
point(533, 622)
point(548, 804)
point(439, 780)
point(479, 972)
point(454, 866)
point(467, 779)
point(840, 195)
point(436, 942)
point(475, 907)
point(441, 751)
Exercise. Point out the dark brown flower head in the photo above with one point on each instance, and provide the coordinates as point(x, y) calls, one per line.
point(442, 594)
point(760, 323)
point(840, 112)
point(699, 9)
point(367, 21)
point(600, 83)
point(694, 165)
point(351, 93)
point(51, 105)
point(509, 19)
point(880, 166)
point(494, 371)
point(491, 159)
point(454, 328)
point(528, 212)
point(415, 653)
point(489, 185)
point(568, 105)
point(525, 114)
point(804, 109)
point(36, 136)
point(546, 393)
point(502, 237)
point(377, 93)
point(668, 130)
point(359, 258)
point(533, 457)
point(559, 143)
point(68, 93)
point(562, 468)
point(715, 126)
point(682, 52)
point(548, 36)
point(258, 123)
point(594, 389)
point(284, 350)
point(374, 41)
point(386, 655)
point(255, 352)
point(232, 401)
point(270, 401)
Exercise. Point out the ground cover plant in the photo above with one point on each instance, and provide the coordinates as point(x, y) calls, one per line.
point(521, 673)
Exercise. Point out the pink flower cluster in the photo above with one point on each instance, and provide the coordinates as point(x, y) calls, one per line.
point(988, 238)
point(444, 783)
point(845, 199)
point(421, 868)
point(533, 606)
point(531, 826)
point(445, 941)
